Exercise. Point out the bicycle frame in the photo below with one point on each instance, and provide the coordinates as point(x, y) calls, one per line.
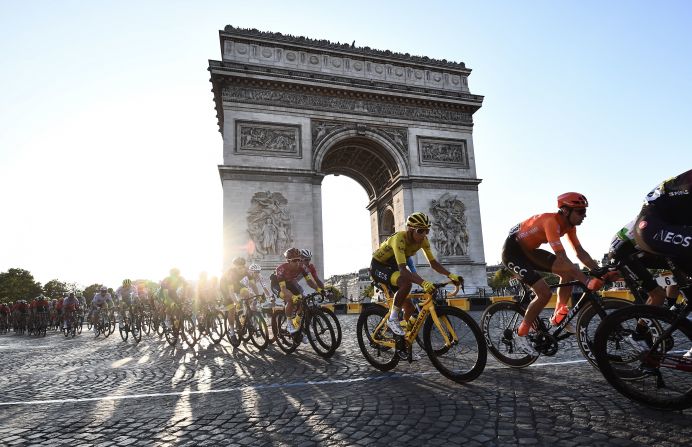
point(427, 308)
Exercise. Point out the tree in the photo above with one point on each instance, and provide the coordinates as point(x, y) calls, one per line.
point(369, 291)
point(500, 279)
point(90, 291)
point(55, 288)
point(18, 284)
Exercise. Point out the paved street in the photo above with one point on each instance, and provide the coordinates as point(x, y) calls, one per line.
point(87, 391)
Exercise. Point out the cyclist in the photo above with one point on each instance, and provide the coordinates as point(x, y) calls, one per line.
point(81, 299)
point(231, 287)
point(389, 265)
point(172, 287)
point(126, 296)
point(522, 257)
point(664, 224)
point(254, 280)
point(70, 305)
point(634, 263)
point(306, 255)
point(101, 298)
point(284, 282)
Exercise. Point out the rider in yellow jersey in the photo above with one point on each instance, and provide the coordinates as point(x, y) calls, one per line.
point(389, 266)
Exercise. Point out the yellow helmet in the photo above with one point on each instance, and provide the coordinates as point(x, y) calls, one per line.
point(418, 220)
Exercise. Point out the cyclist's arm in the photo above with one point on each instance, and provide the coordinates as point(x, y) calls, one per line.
point(311, 282)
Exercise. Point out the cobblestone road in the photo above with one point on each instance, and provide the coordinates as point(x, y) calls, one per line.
point(87, 391)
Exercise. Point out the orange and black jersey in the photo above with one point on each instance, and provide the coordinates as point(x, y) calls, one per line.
point(544, 228)
point(395, 250)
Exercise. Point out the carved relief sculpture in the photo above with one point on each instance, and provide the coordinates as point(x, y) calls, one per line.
point(450, 235)
point(444, 152)
point(269, 223)
point(261, 139)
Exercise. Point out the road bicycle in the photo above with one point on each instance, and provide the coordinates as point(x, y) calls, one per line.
point(451, 338)
point(500, 321)
point(250, 324)
point(645, 352)
point(130, 320)
point(310, 320)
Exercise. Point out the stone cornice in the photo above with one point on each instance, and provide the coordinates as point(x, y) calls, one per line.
point(327, 46)
point(281, 175)
point(328, 79)
point(277, 94)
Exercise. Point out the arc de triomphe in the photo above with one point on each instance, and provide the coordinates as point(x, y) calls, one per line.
point(292, 110)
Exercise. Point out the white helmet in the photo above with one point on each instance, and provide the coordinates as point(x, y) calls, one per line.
point(255, 268)
point(305, 253)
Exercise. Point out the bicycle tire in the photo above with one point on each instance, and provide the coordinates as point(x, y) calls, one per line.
point(460, 365)
point(382, 357)
point(285, 340)
point(136, 328)
point(321, 334)
point(335, 324)
point(124, 329)
point(667, 387)
point(234, 340)
point(498, 324)
point(171, 334)
point(588, 321)
point(258, 332)
point(215, 327)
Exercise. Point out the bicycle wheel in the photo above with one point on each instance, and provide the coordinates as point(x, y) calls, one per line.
point(258, 332)
point(171, 333)
point(80, 325)
point(284, 339)
point(660, 377)
point(189, 331)
point(462, 356)
point(375, 339)
point(124, 328)
point(335, 324)
point(499, 323)
point(321, 333)
point(215, 327)
point(588, 322)
point(136, 328)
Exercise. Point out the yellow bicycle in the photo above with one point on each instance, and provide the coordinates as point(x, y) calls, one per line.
point(451, 338)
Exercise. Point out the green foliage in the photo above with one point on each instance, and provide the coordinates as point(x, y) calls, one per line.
point(55, 288)
point(337, 293)
point(369, 291)
point(18, 284)
point(500, 279)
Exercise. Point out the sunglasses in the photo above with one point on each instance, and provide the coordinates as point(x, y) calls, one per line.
point(422, 230)
point(581, 211)
point(295, 260)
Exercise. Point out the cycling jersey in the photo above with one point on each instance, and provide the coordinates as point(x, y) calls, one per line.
point(291, 271)
point(544, 228)
point(231, 280)
point(101, 299)
point(4, 309)
point(70, 304)
point(664, 225)
point(396, 249)
point(126, 294)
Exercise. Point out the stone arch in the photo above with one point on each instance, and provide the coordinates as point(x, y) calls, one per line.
point(365, 156)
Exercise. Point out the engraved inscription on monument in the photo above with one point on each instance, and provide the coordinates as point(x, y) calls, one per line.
point(267, 139)
point(436, 151)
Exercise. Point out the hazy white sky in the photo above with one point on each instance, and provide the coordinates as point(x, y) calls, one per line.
point(109, 144)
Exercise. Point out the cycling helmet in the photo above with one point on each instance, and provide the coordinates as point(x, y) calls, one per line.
point(174, 272)
point(572, 200)
point(239, 261)
point(418, 220)
point(103, 289)
point(305, 253)
point(292, 253)
point(255, 268)
point(127, 282)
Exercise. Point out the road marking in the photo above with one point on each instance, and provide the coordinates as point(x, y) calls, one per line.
point(254, 387)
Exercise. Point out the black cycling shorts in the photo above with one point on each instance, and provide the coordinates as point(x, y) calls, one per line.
point(526, 265)
point(382, 273)
point(634, 264)
point(292, 286)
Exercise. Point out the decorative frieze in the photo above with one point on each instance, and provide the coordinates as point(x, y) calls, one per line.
point(438, 151)
point(294, 99)
point(277, 140)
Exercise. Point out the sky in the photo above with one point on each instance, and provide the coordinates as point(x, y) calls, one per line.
point(109, 145)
